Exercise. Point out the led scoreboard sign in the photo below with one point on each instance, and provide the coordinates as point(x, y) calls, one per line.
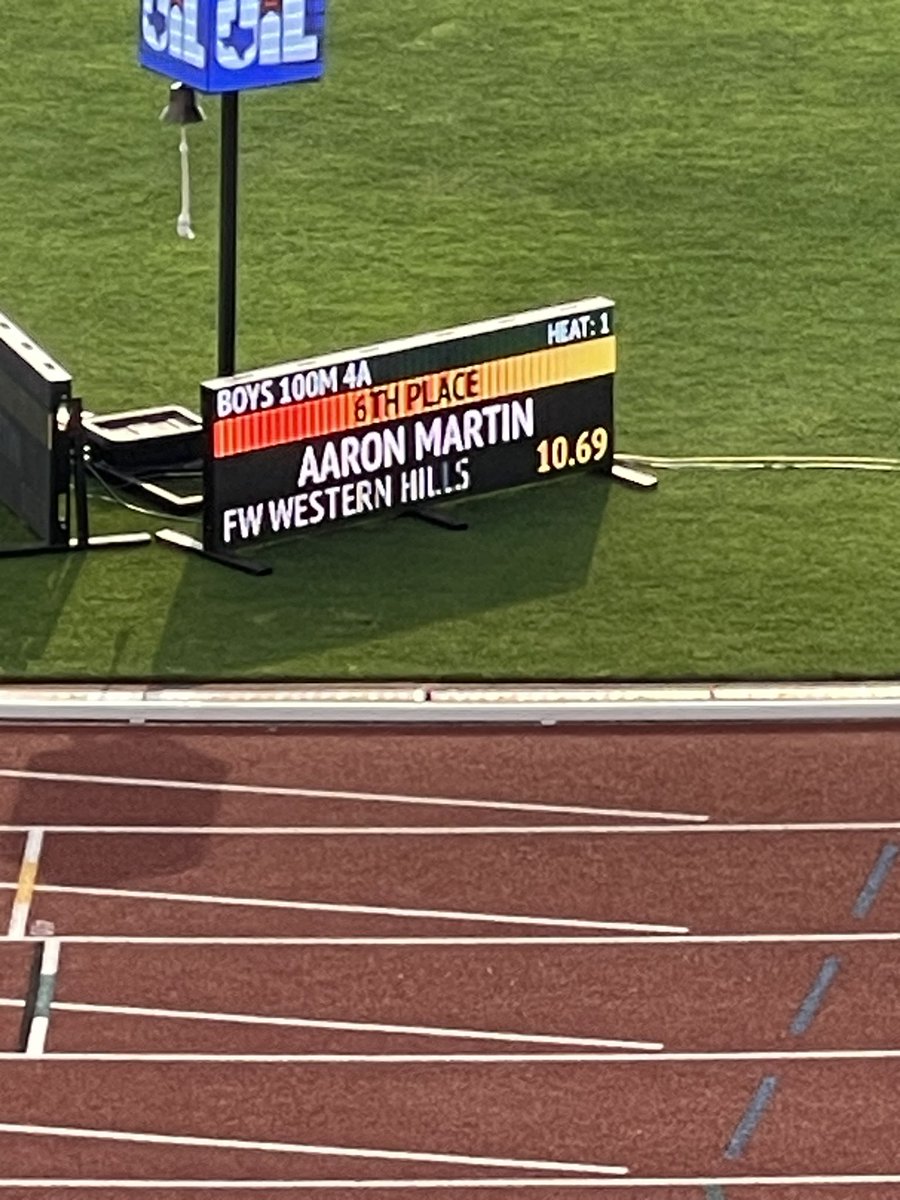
point(408, 424)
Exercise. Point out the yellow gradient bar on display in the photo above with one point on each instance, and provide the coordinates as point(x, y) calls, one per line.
point(415, 396)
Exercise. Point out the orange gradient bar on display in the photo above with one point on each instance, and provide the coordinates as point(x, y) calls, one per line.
point(416, 396)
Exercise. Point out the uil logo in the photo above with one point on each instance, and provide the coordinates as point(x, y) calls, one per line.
point(173, 27)
point(270, 32)
point(233, 45)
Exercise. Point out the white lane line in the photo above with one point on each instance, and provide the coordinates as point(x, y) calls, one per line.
point(40, 1023)
point(249, 789)
point(28, 869)
point(690, 939)
point(433, 1031)
point(427, 914)
point(166, 1139)
point(539, 1057)
point(408, 1185)
point(462, 830)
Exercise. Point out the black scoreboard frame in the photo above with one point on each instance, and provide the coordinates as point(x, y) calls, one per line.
point(35, 402)
point(398, 426)
point(42, 452)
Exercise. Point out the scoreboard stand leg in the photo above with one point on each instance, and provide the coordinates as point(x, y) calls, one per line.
point(113, 541)
point(181, 541)
point(432, 517)
point(642, 480)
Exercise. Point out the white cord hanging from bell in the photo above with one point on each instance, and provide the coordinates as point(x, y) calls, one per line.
point(183, 110)
point(184, 217)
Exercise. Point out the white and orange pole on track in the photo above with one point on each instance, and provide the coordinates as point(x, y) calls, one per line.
point(25, 887)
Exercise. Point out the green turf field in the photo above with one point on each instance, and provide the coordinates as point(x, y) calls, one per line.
point(728, 174)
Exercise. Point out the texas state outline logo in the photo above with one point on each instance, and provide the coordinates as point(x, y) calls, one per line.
point(233, 45)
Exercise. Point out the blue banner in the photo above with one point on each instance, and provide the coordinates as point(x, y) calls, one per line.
point(233, 45)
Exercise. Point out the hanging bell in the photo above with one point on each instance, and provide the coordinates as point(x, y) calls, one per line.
point(182, 108)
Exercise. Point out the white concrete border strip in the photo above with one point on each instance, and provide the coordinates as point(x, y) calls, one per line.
point(437, 704)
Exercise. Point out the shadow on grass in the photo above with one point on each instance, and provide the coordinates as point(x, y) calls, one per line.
point(33, 594)
point(77, 860)
point(336, 588)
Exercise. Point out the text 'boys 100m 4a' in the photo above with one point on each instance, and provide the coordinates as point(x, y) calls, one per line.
point(463, 411)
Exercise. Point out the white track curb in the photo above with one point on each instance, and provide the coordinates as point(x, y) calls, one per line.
point(438, 704)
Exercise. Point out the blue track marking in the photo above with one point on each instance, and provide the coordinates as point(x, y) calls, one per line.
point(751, 1118)
point(715, 1192)
point(816, 994)
point(876, 880)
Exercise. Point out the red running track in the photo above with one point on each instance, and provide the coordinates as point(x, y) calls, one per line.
point(668, 1119)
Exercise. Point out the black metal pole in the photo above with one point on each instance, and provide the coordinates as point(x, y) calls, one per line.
point(228, 234)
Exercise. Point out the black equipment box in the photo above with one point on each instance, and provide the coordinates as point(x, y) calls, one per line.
point(149, 439)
